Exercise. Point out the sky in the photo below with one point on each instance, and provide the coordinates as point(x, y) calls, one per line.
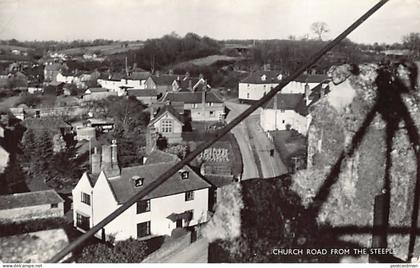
point(220, 19)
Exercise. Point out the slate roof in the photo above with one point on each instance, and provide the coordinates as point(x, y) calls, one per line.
point(312, 78)
point(97, 89)
point(123, 187)
point(167, 108)
point(289, 101)
point(255, 77)
point(190, 97)
point(142, 92)
point(316, 93)
point(158, 156)
point(138, 75)
point(165, 80)
point(29, 199)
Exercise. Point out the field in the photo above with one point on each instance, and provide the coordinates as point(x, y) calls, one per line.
point(207, 61)
point(10, 47)
point(104, 49)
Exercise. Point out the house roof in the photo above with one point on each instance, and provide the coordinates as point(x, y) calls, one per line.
point(316, 93)
point(165, 80)
point(138, 75)
point(142, 92)
point(190, 97)
point(29, 199)
point(312, 78)
point(123, 186)
point(158, 156)
point(167, 108)
point(97, 89)
point(289, 101)
point(255, 77)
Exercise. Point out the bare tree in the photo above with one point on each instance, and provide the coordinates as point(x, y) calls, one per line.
point(319, 28)
point(412, 42)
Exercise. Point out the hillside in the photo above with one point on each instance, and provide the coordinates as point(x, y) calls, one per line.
point(207, 61)
point(106, 50)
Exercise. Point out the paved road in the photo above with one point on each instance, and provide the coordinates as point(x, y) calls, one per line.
point(271, 166)
point(240, 132)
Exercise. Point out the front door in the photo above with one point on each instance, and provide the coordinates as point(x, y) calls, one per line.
point(179, 223)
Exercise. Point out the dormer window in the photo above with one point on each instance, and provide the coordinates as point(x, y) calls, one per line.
point(138, 182)
point(263, 77)
point(184, 174)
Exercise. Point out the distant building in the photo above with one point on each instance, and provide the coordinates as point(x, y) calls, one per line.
point(120, 83)
point(52, 69)
point(167, 123)
point(181, 201)
point(199, 106)
point(146, 96)
point(258, 84)
point(175, 83)
point(31, 205)
point(290, 110)
point(97, 93)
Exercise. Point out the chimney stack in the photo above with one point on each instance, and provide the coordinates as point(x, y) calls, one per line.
point(114, 154)
point(203, 97)
point(96, 162)
point(190, 85)
point(307, 92)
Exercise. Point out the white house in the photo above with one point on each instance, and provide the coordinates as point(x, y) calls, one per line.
point(181, 201)
point(120, 83)
point(291, 110)
point(257, 84)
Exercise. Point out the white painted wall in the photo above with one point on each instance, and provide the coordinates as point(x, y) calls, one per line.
point(125, 225)
point(200, 113)
point(276, 119)
point(256, 91)
point(82, 186)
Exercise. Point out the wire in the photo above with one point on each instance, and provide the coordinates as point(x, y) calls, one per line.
point(147, 189)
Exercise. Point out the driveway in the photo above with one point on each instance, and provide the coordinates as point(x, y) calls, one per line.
point(250, 136)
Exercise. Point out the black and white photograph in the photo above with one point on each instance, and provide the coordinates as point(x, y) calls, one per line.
point(209, 132)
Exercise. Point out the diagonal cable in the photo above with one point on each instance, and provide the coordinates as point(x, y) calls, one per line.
point(147, 189)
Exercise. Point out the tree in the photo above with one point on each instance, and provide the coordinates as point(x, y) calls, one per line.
point(412, 42)
point(127, 251)
point(319, 28)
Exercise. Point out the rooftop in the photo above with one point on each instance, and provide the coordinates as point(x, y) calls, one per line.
point(256, 77)
point(289, 101)
point(167, 108)
point(191, 97)
point(123, 186)
point(142, 92)
point(29, 199)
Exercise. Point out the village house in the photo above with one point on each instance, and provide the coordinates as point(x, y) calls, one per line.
point(120, 83)
point(175, 83)
point(198, 106)
point(168, 123)
point(181, 201)
point(291, 110)
point(258, 84)
point(146, 96)
point(31, 205)
point(52, 69)
point(97, 93)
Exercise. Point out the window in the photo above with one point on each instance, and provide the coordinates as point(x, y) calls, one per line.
point(138, 181)
point(210, 104)
point(281, 111)
point(211, 113)
point(247, 95)
point(143, 229)
point(85, 198)
point(194, 105)
point(82, 222)
point(143, 206)
point(166, 126)
point(185, 174)
point(190, 215)
point(283, 121)
point(55, 205)
point(189, 196)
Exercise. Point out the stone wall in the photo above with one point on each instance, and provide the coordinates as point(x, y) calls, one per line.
point(336, 119)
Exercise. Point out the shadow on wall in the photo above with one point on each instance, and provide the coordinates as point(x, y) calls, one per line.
point(275, 219)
